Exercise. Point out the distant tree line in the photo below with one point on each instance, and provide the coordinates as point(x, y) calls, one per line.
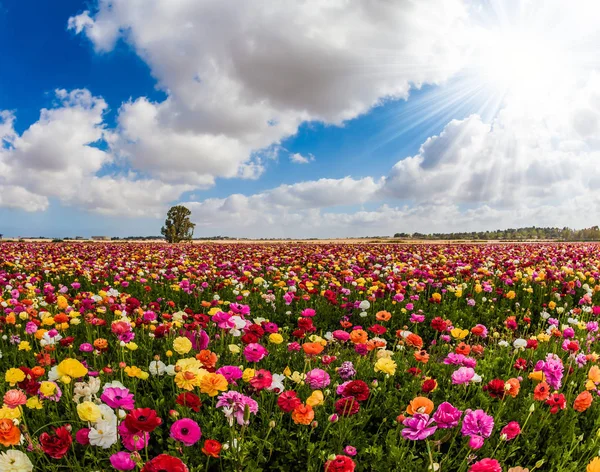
point(528, 233)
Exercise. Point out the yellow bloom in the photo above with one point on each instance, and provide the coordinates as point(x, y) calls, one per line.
point(61, 302)
point(34, 403)
point(510, 295)
point(287, 371)
point(436, 297)
point(72, 368)
point(89, 411)
point(9, 413)
point(131, 346)
point(387, 366)
point(182, 345)
point(13, 376)
point(234, 349)
point(552, 305)
point(212, 384)
point(47, 388)
point(297, 377)
point(248, 375)
point(458, 333)
point(24, 346)
point(187, 380)
point(537, 375)
point(275, 338)
point(133, 371)
point(316, 398)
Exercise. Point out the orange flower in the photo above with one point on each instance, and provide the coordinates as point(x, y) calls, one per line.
point(359, 336)
point(208, 358)
point(345, 324)
point(463, 348)
point(478, 330)
point(303, 414)
point(383, 315)
point(420, 405)
point(477, 349)
point(101, 344)
point(9, 433)
point(583, 401)
point(414, 340)
point(594, 374)
point(312, 349)
point(38, 371)
point(421, 356)
point(541, 391)
point(374, 344)
point(512, 387)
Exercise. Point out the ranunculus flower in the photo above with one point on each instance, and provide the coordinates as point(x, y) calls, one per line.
point(211, 448)
point(317, 379)
point(122, 461)
point(341, 463)
point(56, 445)
point(486, 465)
point(165, 462)
point(447, 416)
point(511, 430)
point(142, 419)
point(418, 427)
point(186, 431)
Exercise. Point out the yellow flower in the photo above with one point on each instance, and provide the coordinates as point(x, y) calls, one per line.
point(9, 413)
point(234, 349)
point(89, 411)
point(34, 403)
point(297, 377)
point(182, 345)
point(131, 346)
point(510, 295)
point(316, 398)
point(61, 302)
point(212, 384)
point(287, 371)
point(552, 305)
point(13, 376)
point(47, 388)
point(543, 337)
point(436, 297)
point(71, 368)
point(593, 466)
point(458, 333)
point(537, 375)
point(259, 280)
point(275, 338)
point(387, 366)
point(133, 371)
point(248, 375)
point(24, 346)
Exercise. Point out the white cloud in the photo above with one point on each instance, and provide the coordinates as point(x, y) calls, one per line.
point(240, 77)
point(298, 158)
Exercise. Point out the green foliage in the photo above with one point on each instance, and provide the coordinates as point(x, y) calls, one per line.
point(511, 234)
point(178, 226)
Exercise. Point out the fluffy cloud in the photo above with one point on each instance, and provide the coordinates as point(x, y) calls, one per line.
point(60, 155)
point(242, 77)
point(298, 158)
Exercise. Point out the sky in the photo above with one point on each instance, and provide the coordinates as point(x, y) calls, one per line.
point(314, 118)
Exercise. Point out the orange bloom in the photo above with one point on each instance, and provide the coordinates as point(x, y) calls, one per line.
point(208, 358)
point(9, 433)
point(383, 315)
point(101, 344)
point(463, 348)
point(312, 349)
point(583, 401)
point(61, 318)
point(477, 330)
point(414, 340)
point(541, 391)
point(420, 405)
point(303, 414)
point(374, 344)
point(512, 387)
point(359, 336)
point(38, 371)
point(421, 356)
point(345, 324)
point(477, 349)
point(594, 374)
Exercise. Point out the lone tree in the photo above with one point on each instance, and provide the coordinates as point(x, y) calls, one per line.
point(178, 226)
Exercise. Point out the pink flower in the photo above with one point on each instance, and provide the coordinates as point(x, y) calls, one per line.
point(231, 373)
point(186, 431)
point(117, 397)
point(341, 335)
point(82, 436)
point(308, 313)
point(477, 423)
point(462, 376)
point(133, 440)
point(254, 352)
point(486, 465)
point(122, 461)
point(317, 378)
point(511, 430)
point(447, 416)
point(15, 398)
point(418, 427)
point(350, 450)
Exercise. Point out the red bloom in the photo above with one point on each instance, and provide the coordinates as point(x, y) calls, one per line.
point(262, 379)
point(190, 400)
point(439, 324)
point(340, 464)
point(347, 406)
point(165, 463)
point(429, 385)
point(357, 389)
point(142, 419)
point(414, 371)
point(532, 344)
point(56, 445)
point(377, 329)
point(495, 388)
point(288, 401)
point(211, 448)
point(486, 465)
point(556, 401)
point(520, 364)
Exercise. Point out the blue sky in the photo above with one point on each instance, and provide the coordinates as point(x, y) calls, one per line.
point(130, 108)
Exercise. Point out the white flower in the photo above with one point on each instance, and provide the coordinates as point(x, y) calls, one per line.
point(277, 383)
point(53, 374)
point(545, 315)
point(476, 378)
point(113, 384)
point(50, 341)
point(363, 314)
point(104, 434)
point(170, 370)
point(364, 305)
point(157, 368)
point(15, 461)
point(108, 415)
point(520, 343)
point(503, 343)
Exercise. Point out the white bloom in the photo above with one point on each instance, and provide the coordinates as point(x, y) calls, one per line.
point(328, 335)
point(113, 384)
point(363, 314)
point(170, 370)
point(364, 305)
point(476, 378)
point(503, 343)
point(53, 374)
point(545, 315)
point(15, 461)
point(277, 383)
point(50, 341)
point(520, 343)
point(157, 368)
point(104, 434)
point(108, 414)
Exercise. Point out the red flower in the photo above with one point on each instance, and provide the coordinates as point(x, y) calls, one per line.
point(556, 401)
point(165, 463)
point(340, 464)
point(211, 448)
point(532, 344)
point(262, 379)
point(486, 465)
point(190, 400)
point(495, 388)
point(439, 324)
point(429, 385)
point(142, 419)
point(520, 364)
point(288, 401)
point(347, 406)
point(357, 389)
point(56, 445)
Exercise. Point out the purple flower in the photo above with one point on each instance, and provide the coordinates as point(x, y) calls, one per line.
point(418, 427)
point(553, 369)
point(346, 371)
point(477, 423)
point(447, 416)
point(234, 406)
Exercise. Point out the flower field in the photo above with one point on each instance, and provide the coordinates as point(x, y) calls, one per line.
point(299, 357)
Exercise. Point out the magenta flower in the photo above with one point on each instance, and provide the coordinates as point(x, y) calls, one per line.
point(186, 431)
point(133, 440)
point(308, 313)
point(122, 461)
point(234, 406)
point(117, 397)
point(486, 465)
point(317, 378)
point(254, 352)
point(418, 427)
point(477, 423)
point(231, 373)
point(511, 430)
point(553, 369)
point(447, 416)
